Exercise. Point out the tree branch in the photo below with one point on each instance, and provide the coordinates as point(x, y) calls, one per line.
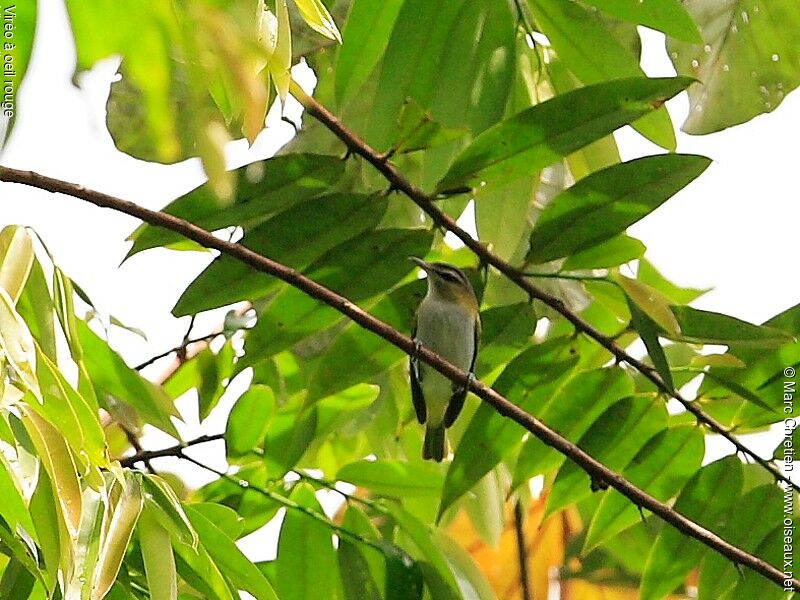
point(180, 349)
point(261, 263)
point(146, 456)
point(355, 145)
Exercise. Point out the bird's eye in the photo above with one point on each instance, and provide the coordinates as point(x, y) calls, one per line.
point(447, 276)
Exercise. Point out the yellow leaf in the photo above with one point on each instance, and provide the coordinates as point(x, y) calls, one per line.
point(654, 304)
point(718, 360)
point(16, 344)
point(16, 259)
point(159, 561)
point(211, 144)
point(319, 19)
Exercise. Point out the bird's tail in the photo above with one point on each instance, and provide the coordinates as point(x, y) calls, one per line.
point(435, 445)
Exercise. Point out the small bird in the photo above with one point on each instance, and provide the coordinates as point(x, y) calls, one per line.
point(448, 323)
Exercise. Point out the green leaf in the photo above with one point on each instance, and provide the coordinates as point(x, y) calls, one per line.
point(36, 308)
point(249, 419)
point(505, 331)
point(394, 478)
point(651, 302)
point(17, 345)
point(362, 573)
point(748, 62)
point(739, 390)
point(706, 500)
point(614, 439)
point(208, 373)
point(224, 517)
point(159, 561)
point(571, 410)
point(560, 21)
point(112, 376)
point(319, 19)
point(13, 509)
point(170, 511)
point(44, 514)
point(668, 16)
point(617, 250)
point(294, 237)
point(367, 31)
point(223, 550)
point(648, 332)
point(292, 315)
point(17, 582)
point(661, 468)
point(467, 571)
point(199, 570)
point(306, 562)
point(607, 202)
point(647, 273)
point(24, 21)
point(421, 535)
point(540, 135)
point(747, 526)
point(262, 190)
point(418, 130)
point(358, 355)
point(704, 327)
point(528, 381)
point(428, 65)
point(404, 580)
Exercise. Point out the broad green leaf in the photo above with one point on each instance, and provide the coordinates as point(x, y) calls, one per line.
point(394, 478)
point(249, 419)
point(292, 315)
point(367, 30)
point(170, 510)
point(318, 18)
point(706, 500)
point(542, 134)
point(560, 22)
point(613, 439)
point(651, 302)
point(571, 410)
point(505, 331)
point(306, 563)
point(224, 517)
point(460, 68)
point(13, 508)
point(68, 411)
point(85, 545)
point(748, 62)
point(16, 582)
point(501, 215)
point(747, 526)
point(648, 332)
point(418, 130)
point(44, 513)
point(661, 468)
point(36, 308)
point(199, 570)
point(262, 190)
point(647, 273)
point(617, 250)
point(17, 345)
point(223, 550)
point(358, 355)
point(362, 569)
point(421, 535)
point(739, 390)
point(57, 459)
point(118, 535)
point(112, 376)
point(17, 551)
point(528, 381)
point(16, 259)
point(704, 327)
point(159, 561)
point(208, 373)
point(754, 585)
point(470, 578)
point(294, 237)
point(404, 579)
point(668, 16)
point(24, 23)
point(607, 202)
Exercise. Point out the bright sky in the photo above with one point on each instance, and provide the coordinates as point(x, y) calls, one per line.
point(734, 229)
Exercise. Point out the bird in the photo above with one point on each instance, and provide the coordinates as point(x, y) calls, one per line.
point(448, 323)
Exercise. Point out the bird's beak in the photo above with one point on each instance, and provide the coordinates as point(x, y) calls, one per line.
point(420, 263)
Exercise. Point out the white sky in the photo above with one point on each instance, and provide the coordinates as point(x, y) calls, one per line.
point(734, 229)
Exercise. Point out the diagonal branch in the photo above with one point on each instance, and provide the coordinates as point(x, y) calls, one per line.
point(398, 181)
point(593, 467)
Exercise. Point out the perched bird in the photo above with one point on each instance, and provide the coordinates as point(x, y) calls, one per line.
point(447, 323)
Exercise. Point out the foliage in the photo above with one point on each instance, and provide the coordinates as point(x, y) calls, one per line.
point(469, 104)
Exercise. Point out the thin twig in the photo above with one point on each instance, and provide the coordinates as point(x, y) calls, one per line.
point(522, 551)
point(501, 404)
point(180, 349)
point(398, 182)
point(133, 440)
point(175, 451)
point(287, 502)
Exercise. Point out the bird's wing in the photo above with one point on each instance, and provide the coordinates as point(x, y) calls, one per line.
point(459, 390)
point(416, 390)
